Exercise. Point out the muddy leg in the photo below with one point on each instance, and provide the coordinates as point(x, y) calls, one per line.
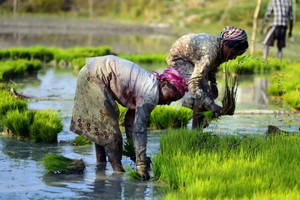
point(100, 154)
point(115, 156)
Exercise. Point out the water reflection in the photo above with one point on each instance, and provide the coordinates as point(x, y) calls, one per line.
point(22, 174)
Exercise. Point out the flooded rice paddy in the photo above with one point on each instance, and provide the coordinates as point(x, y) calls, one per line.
point(22, 173)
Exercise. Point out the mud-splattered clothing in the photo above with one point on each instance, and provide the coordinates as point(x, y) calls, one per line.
point(102, 82)
point(198, 57)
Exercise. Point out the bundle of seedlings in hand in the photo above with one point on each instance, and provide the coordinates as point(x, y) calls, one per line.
point(231, 85)
point(55, 163)
point(229, 97)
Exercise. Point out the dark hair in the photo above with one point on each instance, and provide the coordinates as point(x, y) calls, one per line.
point(172, 87)
point(238, 45)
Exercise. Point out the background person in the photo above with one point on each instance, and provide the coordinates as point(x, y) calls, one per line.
point(198, 57)
point(282, 11)
point(101, 83)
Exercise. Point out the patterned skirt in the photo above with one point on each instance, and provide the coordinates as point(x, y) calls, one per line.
point(95, 114)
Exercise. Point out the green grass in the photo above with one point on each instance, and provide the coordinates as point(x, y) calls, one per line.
point(132, 173)
point(14, 68)
point(57, 163)
point(46, 126)
point(286, 84)
point(163, 117)
point(40, 126)
point(18, 123)
point(8, 103)
point(252, 64)
point(199, 165)
point(81, 141)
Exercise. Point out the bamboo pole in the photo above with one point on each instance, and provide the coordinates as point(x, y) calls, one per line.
point(15, 6)
point(91, 4)
point(253, 37)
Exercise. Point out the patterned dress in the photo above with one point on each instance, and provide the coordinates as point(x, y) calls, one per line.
point(100, 84)
point(198, 57)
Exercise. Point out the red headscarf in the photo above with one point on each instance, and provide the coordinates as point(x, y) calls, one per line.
point(232, 33)
point(175, 77)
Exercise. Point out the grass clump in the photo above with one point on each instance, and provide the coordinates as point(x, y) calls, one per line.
point(18, 123)
point(286, 84)
point(8, 103)
point(13, 68)
point(253, 65)
point(81, 141)
point(163, 117)
point(41, 126)
point(46, 126)
point(146, 58)
point(132, 173)
point(203, 166)
point(229, 97)
point(55, 163)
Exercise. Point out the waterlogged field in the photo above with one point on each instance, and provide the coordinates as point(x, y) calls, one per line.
point(54, 89)
point(188, 164)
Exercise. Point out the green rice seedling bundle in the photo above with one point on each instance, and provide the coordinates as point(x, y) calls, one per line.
point(46, 126)
point(13, 68)
point(132, 173)
point(8, 102)
point(163, 117)
point(54, 163)
point(198, 165)
point(81, 141)
point(4, 54)
point(229, 97)
point(18, 123)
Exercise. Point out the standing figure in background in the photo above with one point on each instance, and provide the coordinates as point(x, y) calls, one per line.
point(105, 81)
point(198, 57)
point(283, 13)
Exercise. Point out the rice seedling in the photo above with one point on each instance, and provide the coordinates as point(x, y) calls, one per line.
point(199, 165)
point(163, 117)
point(128, 150)
point(132, 173)
point(13, 68)
point(54, 163)
point(46, 126)
point(281, 85)
point(81, 141)
point(18, 123)
point(8, 102)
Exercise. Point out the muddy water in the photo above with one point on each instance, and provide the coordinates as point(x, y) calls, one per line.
point(22, 173)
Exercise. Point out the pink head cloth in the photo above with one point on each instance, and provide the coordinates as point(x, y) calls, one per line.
point(232, 33)
point(175, 77)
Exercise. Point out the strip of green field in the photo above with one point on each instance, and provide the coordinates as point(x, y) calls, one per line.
point(199, 165)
